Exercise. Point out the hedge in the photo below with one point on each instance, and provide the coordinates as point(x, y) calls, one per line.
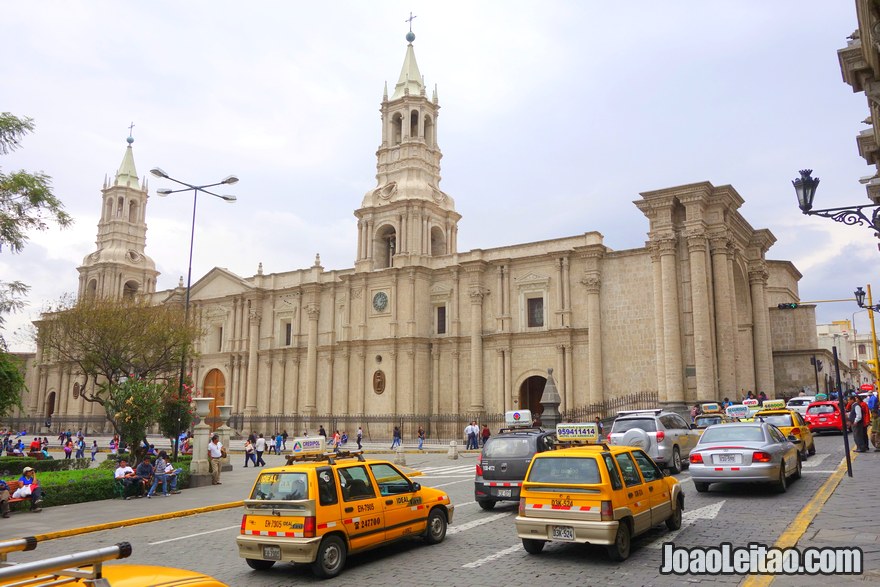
point(15, 465)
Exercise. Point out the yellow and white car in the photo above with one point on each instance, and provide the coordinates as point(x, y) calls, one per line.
point(711, 414)
point(789, 422)
point(322, 506)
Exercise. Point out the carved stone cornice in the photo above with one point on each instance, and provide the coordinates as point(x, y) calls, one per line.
point(313, 311)
point(592, 283)
point(477, 293)
point(696, 242)
point(758, 273)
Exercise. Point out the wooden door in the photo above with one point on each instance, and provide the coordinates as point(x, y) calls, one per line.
point(215, 386)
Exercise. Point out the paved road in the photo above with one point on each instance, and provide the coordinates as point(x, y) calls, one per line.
point(481, 547)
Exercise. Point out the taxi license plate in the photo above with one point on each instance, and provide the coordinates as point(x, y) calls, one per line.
point(505, 492)
point(562, 532)
point(272, 553)
point(726, 458)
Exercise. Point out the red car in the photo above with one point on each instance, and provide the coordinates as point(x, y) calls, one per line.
point(824, 417)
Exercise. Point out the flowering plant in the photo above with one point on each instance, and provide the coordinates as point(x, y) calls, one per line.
point(177, 411)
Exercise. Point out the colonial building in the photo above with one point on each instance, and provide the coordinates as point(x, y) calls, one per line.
point(417, 327)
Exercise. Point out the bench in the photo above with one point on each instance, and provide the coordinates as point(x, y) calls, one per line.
point(36, 455)
point(13, 486)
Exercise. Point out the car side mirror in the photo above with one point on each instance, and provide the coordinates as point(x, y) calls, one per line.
point(416, 486)
point(793, 438)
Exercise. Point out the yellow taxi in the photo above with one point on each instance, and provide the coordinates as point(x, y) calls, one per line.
point(594, 494)
point(88, 568)
point(321, 507)
point(773, 411)
point(711, 414)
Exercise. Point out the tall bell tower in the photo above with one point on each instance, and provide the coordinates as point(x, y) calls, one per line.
point(406, 218)
point(120, 267)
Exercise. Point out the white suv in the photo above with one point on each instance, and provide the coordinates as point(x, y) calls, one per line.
point(665, 436)
point(800, 404)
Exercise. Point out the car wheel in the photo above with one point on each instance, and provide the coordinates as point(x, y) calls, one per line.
point(436, 530)
point(259, 565)
point(782, 482)
point(674, 521)
point(619, 551)
point(636, 437)
point(675, 466)
point(797, 471)
point(813, 449)
point(533, 546)
point(701, 487)
point(487, 504)
point(331, 557)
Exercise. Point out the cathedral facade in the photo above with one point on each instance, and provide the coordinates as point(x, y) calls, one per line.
point(417, 327)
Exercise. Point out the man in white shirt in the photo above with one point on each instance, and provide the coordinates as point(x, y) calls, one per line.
point(126, 476)
point(215, 453)
point(260, 448)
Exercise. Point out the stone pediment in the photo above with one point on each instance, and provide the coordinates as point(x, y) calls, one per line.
point(531, 278)
point(440, 291)
point(219, 283)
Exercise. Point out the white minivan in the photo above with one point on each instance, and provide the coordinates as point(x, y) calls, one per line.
point(800, 404)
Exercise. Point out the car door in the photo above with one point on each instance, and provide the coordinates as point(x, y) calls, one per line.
point(404, 511)
point(688, 436)
point(658, 491)
point(806, 433)
point(363, 515)
point(635, 492)
point(790, 451)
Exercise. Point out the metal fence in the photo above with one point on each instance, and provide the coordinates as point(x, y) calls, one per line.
point(87, 424)
point(640, 400)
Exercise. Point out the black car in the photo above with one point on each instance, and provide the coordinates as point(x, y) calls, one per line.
point(502, 465)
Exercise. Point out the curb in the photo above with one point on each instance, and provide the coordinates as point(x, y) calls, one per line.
point(793, 533)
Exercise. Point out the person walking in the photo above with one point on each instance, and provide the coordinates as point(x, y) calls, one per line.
point(80, 447)
point(260, 448)
point(485, 434)
point(421, 436)
point(279, 440)
point(360, 438)
point(94, 449)
point(284, 440)
point(395, 440)
point(857, 421)
point(249, 456)
point(600, 428)
point(215, 453)
point(68, 449)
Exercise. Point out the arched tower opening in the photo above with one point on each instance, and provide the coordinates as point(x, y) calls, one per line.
point(530, 393)
point(130, 289)
point(429, 131)
point(414, 124)
point(396, 128)
point(438, 241)
point(132, 211)
point(384, 246)
point(92, 288)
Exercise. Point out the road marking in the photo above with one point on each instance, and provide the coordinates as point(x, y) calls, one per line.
point(815, 460)
point(493, 557)
point(461, 505)
point(193, 535)
point(815, 472)
point(446, 476)
point(448, 470)
point(477, 522)
point(450, 483)
point(708, 512)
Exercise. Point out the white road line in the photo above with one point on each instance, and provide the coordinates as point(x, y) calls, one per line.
point(492, 557)
point(444, 477)
point(815, 472)
point(815, 460)
point(477, 522)
point(450, 483)
point(448, 470)
point(193, 535)
point(461, 505)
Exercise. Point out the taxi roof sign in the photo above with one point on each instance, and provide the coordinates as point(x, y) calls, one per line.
point(518, 418)
point(821, 397)
point(309, 445)
point(710, 408)
point(773, 404)
point(750, 402)
point(582, 431)
point(738, 411)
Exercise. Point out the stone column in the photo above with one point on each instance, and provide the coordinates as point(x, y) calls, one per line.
point(311, 399)
point(499, 373)
point(560, 370)
point(761, 330)
point(671, 321)
point(560, 298)
point(570, 399)
point(361, 385)
point(456, 389)
point(277, 398)
point(724, 327)
point(394, 383)
point(225, 433)
point(63, 391)
point(703, 361)
point(508, 380)
point(566, 293)
point(500, 300)
point(659, 348)
point(253, 365)
point(346, 374)
point(732, 253)
point(593, 284)
point(200, 473)
point(265, 377)
point(435, 379)
point(476, 294)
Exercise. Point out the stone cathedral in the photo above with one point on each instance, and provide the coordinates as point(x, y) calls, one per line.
point(417, 327)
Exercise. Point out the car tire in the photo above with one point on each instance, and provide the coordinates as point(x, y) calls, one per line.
point(533, 546)
point(813, 448)
point(797, 471)
point(675, 465)
point(436, 530)
point(259, 564)
point(487, 504)
point(674, 521)
point(331, 557)
point(701, 487)
point(782, 482)
point(619, 550)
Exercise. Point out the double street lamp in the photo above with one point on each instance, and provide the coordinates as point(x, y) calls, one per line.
point(229, 180)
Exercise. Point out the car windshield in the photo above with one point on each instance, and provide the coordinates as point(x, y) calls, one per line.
point(798, 402)
point(498, 447)
point(622, 425)
point(583, 471)
point(284, 486)
point(821, 409)
point(705, 421)
point(731, 433)
point(777, 420)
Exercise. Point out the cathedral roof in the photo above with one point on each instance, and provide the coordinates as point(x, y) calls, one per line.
point(410, 77)
point(127, 174)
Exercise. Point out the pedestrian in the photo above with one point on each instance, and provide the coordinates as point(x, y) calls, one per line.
point(360, 438)
point(94, 449)
point(322, 432)
point(260, 448)
point(80, 447)
point(857, 422)
point(4, 499)
point(395, 440)
point(695, 411)
point(874, 409)
point(600, 427)
point(279, 440)
point(337, 438)
point(421, 436)
point(284, 440)
point(762, 397)
point(468, 434)
point(216, 451)
point(249, 456)
point(270, 445)
point(68, 449)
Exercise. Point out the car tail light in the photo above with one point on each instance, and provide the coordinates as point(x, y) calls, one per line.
point(309, 527)
point(796, 431)
point(522, 506)
point(243, 520)
point(607, 511)
point(759, 456)
point(696, 457)
point(480, 465)
point(660, 436)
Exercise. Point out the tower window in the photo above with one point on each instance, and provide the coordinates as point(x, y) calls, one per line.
point(414, 124)
point(288, 333)
point(132, 211)
point(862, 349)
point(120, 203)
point(535, 311)
point(396, 128)
point(441, 319)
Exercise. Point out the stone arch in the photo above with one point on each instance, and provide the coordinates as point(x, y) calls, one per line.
point(744, 341)
point(530, 388)
point(384, 246)
point(429, 130)
point(132, 211)
point(108, 209)
point(120, 204)
point(414, 124)
point(50, 404)
point(130, 289)
point(396, 128)
point(92, 288)
point(438, 241)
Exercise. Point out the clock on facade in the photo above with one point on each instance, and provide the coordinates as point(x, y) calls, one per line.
point(380, 301)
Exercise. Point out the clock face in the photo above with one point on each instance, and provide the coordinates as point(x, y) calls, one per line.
point(380, 301)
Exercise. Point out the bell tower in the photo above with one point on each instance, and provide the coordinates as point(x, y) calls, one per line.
point(119, 267)
point(406, 218)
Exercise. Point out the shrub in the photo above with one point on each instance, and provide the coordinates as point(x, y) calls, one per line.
point(14, 465)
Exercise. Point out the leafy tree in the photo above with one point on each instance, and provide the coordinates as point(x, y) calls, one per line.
point(132, 406)
point(11, 383)
point(26, 203)
point(176, 413)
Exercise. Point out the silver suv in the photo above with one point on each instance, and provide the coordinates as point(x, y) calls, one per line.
point(665, 436)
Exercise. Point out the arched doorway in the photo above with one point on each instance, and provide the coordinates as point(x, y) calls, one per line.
point(215, 386)
point(530, 394)
point(50, 408)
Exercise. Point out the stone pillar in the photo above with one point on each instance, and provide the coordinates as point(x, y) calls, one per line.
point(659, 348)
point(508, 380)
point(761, 330)
point(264, 378)
point(703, 361)
point(346, 374)
point(566, 293)
point(311, 399)
point(63, 389)
point(550, 400)
point(200, 472)
point(362, 382)
point(476, 404)
point(725, 332)
point(734, 313)
point(564, 398)
point(500, 300)
point(456, 388)
point(394, 383)
point(435, 379)
point(278, 399)
point(499, 374)
point(571, 400)
point(253, 366)
point(225, 433)
point(593, 284)
point(671, 322)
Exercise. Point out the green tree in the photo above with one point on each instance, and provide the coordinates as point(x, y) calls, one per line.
point(11, 383)
point(176, 413)
point(133, 405)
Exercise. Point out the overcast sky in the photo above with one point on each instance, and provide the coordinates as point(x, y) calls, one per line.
point(554, 116)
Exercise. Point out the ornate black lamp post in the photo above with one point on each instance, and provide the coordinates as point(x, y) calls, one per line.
point(806, 185)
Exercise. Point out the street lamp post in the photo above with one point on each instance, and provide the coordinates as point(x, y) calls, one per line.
point(229, 180)
point(805, 187)
point(872, 308)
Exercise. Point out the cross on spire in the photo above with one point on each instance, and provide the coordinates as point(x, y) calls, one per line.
point(130, 128)
point(409, 20)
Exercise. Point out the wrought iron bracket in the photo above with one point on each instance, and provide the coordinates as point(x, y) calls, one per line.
point(852, 216)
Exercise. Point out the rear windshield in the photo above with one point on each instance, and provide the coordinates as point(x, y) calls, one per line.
point(821, 409)
point(707, 420)
point(285, 486)
point(565, 470)
point(799, 402)
point(501, 447)
point(778, 420)
point(732, 433)
point(646, 424)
